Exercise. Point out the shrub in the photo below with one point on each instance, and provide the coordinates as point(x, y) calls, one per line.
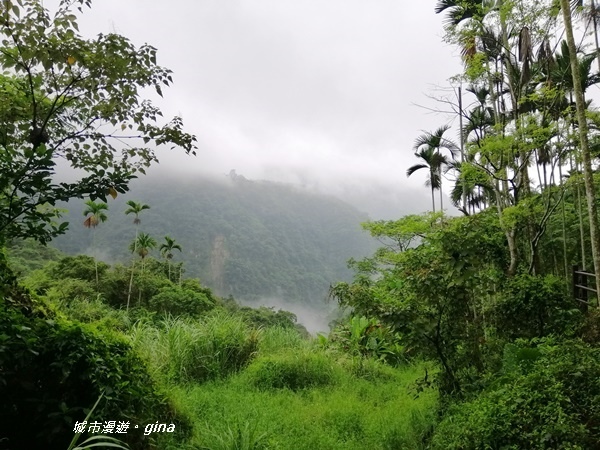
point(361, 336)
point(52, 370)
point(178, 301)
point(547, 397)
point(367, 368)
point(98, 313)
point(295, 371)
point(276, 339)
point(82, 267)
point(182, 350)
point(115, 286)
point(534, 306)
point(72, 289)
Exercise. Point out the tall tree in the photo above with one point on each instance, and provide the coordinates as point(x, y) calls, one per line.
point(65, 97)
point(95, 213)
point(135, 208)
point(142, 246)
point(166, 249)
point(590, 189)
point(431, 162)
point(429, 148)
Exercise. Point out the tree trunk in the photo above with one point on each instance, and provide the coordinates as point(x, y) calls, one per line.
point(590, 190)
point(132, 267)
point(594, 22)
point(95, 258)
point(463, 157)
point(441, 194)
point(564, 227)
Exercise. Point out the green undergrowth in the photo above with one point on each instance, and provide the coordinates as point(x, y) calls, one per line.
point(271, 388)
point(185, 350)
point(338, 410)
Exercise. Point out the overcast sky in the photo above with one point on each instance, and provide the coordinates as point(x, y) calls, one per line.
point(314, 92)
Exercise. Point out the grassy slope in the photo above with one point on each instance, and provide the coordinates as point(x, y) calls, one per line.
point(354, 414)
point(353, 404)
point(337, 402)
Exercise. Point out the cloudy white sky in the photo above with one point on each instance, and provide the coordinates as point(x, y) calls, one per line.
point(314, 92)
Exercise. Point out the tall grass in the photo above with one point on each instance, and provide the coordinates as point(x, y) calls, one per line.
point(279, 339)
point(236, 436)
point(183, 350)
point(293, 370)
point(352, 413)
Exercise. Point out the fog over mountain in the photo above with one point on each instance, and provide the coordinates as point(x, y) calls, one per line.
point(319, 94)
point(261, 242)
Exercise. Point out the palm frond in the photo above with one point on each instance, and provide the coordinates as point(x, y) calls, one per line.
point(414, 168)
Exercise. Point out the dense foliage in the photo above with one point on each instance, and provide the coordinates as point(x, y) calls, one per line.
point(459, 333)
point(66, 97)
point(249, 239)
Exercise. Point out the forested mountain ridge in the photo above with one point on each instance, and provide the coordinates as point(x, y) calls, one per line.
point(248, 239)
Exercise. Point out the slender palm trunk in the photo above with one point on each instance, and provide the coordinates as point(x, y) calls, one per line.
point(441, 193)
point(595, 24)
point(132, 267)
point(95, 258)
point(564, 227)
point(581, 221)
point(140, 289)
point(463, 157)
point(590, 189)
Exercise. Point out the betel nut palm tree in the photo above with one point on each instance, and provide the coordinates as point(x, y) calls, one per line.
point(142, 246)
point(95, 214)
point(428, 148)
point(166, 249)
point(135, 208)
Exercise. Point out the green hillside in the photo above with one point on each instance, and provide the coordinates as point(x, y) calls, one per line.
point(248, 239)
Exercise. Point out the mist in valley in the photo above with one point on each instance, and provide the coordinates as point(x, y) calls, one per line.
point(314, 317)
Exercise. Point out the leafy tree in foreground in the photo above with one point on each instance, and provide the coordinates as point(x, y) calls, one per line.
point(66, 97)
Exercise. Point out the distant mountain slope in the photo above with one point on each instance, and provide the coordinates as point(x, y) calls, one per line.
point(249, 239)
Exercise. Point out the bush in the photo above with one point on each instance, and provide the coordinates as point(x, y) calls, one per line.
point(367, 368)
point(115, 286)
point(547, 397)
point(82, 267)
point(98, 313)
point(276, 339)
point(52, 371)
point(295, 371)
point(179, 301)
point(531, 306)
point(72, 289)
point(369, 338)
point(182, 350)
